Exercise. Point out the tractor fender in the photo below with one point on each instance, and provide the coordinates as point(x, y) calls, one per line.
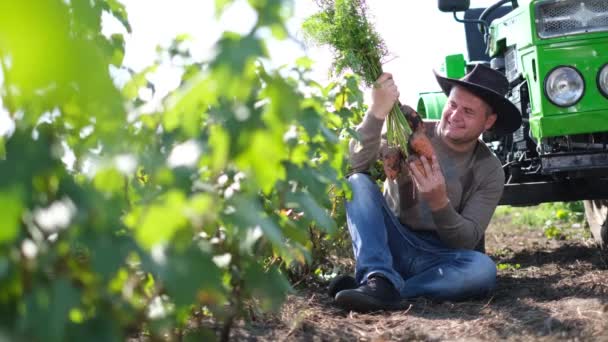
point(430, 105)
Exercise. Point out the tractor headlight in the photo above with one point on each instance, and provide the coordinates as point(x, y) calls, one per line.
point(564, 86)
point(602, 80)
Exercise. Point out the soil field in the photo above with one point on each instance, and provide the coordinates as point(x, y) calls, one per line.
point(552, 285)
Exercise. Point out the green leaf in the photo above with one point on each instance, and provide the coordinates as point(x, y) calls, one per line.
point(271, 12)
point(12, 208)
point(249, 213)
point(303, 201)
point(105, 329)
point(300, 154)
point(279, 31)
point(305, 62)
point(119, 12)
point(329, 135)
point(310, 178)
point(202, 210)
point(65, 296)
point(87, 15)
point(191, 123)
point(2, 148)
point(562, 214)
point(193, 232)
point(108, 254)
point(74, 77)
point(269, 169)
point(220, 5)
point(284, 101)
point(236, 52)
point(159, 222)
point(553, 232)
point(269, 287)
point(296, 230)
point(109, 181)
point(118, 49)
point(47, 310)
point(220, 147)
point(191, 100)
point(191, 274)
point(138, 81)
point(340, 100)
point(4, 267)
point(311, 120)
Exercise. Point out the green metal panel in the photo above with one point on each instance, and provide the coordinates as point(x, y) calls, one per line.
point(430, 105)
point(567, 124)
point(528, 60)
point(455, 66)
point(591, 112)
point(515, 28)
point(519, 28)
point(587, 52)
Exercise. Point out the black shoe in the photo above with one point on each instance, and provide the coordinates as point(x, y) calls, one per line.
point(339, 283)
point(377, 294)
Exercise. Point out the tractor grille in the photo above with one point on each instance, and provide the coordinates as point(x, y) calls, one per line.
point(556, 18)
point(511, 70)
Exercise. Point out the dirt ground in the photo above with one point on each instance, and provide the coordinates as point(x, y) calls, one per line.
point(548, 289)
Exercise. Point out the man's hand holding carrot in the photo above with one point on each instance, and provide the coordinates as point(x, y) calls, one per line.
point(431, 184)
point(384, 95)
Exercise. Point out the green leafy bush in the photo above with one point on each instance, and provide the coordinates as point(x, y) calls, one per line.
point(538, 216)
point(132, 238)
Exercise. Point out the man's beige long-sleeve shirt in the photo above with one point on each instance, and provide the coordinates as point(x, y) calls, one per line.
point(474, 182)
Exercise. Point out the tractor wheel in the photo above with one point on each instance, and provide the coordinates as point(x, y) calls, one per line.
point(596, 212)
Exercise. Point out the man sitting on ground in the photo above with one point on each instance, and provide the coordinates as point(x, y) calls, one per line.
point(418, 238)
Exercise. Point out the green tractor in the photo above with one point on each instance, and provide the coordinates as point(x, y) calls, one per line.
point(555, 55)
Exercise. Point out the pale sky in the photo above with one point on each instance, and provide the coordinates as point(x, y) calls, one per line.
point(416, 33)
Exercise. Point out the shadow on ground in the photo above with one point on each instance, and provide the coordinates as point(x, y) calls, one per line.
point(549, 290)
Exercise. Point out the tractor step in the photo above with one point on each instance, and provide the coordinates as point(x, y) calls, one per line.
point(526, 194)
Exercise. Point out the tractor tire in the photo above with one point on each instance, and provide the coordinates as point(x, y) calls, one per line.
point(596, 212)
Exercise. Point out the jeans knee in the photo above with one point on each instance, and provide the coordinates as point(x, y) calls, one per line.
point(484, 269)
point(364, 188)
point(360, 179)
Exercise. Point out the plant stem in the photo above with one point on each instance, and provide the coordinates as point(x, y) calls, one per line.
point(398, 130)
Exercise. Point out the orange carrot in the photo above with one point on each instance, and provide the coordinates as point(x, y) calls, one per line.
point(392, 164)
point(421, 145)
point(418, 144)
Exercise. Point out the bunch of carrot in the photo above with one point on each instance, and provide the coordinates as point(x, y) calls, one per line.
point(343, 25)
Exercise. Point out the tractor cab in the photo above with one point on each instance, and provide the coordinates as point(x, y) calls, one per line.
point(477, 47)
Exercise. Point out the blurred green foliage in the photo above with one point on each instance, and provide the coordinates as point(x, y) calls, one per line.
point(558, 220)
point(126, 240)
point(538, 216)
point(507, 266)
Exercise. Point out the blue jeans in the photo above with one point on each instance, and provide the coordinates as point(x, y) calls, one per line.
point(417, 263)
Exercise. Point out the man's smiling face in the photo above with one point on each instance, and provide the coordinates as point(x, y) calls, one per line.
point(465, 116)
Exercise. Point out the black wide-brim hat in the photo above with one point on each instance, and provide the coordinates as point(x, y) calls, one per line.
point(491, 86)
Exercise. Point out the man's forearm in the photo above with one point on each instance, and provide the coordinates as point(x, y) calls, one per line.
point(364, 153)
point(455, 230)
point(467, 228)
